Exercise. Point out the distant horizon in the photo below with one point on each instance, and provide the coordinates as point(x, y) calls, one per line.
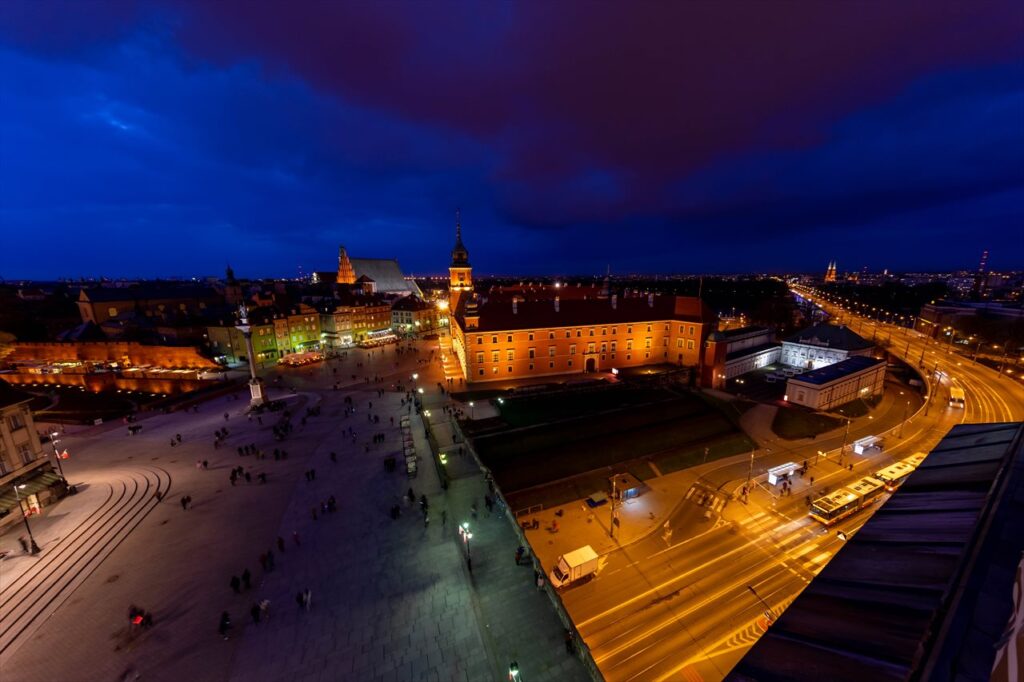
point(480, 275)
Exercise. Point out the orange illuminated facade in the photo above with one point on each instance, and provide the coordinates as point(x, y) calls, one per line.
point(519, 338)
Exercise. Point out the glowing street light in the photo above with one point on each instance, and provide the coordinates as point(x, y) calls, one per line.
point(33, 547)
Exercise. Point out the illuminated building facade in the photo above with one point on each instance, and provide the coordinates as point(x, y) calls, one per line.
point(504, 339)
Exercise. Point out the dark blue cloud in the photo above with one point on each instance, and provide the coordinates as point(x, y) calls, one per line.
point(168, 138)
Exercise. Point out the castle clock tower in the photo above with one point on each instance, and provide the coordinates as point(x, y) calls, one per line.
point(460, 282)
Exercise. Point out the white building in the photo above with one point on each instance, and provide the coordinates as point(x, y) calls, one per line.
point(823, 345)
point(838, 384)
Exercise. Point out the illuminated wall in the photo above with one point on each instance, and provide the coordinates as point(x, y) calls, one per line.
point(122, 352)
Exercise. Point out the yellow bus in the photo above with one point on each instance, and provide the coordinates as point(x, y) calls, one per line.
point(894, 474)
point(956, 397)
point(846, 501)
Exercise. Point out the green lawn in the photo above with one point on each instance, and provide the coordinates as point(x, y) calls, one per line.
point(793, 423)
point(549, 407)
point(672, 432)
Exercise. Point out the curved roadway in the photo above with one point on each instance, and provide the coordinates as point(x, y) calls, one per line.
point(679, 605)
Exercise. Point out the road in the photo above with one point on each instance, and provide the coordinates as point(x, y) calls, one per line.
point(679, 605)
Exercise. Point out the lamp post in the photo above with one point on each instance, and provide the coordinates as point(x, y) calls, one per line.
point(255, 386)
point(611, 525)
point(472, 412)
point(33, 547)
point(56, 454)
point(906, 407)
point(769, 614)
point(466, 536)
point(846, 437)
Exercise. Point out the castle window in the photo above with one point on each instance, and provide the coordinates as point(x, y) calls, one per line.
point(629, 356)
point(647, 355)
point(579, 333)
point(614, 343)
point(510, 338)
point(494, 370)
point(531, 365)
point(531, 336)
point(691, 330)
point(570, 363)
point(551, 335)
point(604, 331)
point(629, 344)
point(551, 351)
point(494, 339)
point(481, 371)
point(629, 329)
point(510, 355)
point(510, 369)
point(689, 344)
point(572, 349)
point(648, 327)
point(647, 342)
point(615, 330)
point(590, 348)
point(479, 358)
point(591, 331)
point(551, 365)
point(494, 356)
point(679, 343)
point(533, 352)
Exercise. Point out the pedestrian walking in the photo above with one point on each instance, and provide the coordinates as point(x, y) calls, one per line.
point(519, 554)
point(184, 503)
point(236, 584)
point(177, 437)
point(540, 581)
point(569, 641)
point(247, 579)
point(225, 624)
point(255, 611)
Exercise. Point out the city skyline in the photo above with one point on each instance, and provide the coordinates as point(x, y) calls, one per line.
point(193, 136)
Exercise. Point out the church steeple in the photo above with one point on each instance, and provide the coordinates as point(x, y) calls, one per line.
point(460, 255)
point(460, 282)
point(346, 273)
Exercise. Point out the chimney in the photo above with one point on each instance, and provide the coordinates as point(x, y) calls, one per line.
point(615, 301)
point(556, 304)
point(650, 300)
point(515, 305)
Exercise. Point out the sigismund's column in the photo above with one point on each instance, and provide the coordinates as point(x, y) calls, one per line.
point(255, 383)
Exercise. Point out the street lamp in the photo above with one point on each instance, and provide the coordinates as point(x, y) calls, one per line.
point(472, 412)
point(33, 547)
point(53, 442)
point(466, 536)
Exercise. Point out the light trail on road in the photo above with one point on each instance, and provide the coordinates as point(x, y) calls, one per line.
point(686, 611)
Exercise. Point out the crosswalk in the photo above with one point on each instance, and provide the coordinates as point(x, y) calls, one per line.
point(705, 497)
point(789, 541)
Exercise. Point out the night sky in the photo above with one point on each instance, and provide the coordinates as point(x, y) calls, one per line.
point(168, 138)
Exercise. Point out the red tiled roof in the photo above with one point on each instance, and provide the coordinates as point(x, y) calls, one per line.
point(498, 315)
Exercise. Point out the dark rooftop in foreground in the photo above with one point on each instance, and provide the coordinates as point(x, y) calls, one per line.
point(924, 590)
point(840, 369)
